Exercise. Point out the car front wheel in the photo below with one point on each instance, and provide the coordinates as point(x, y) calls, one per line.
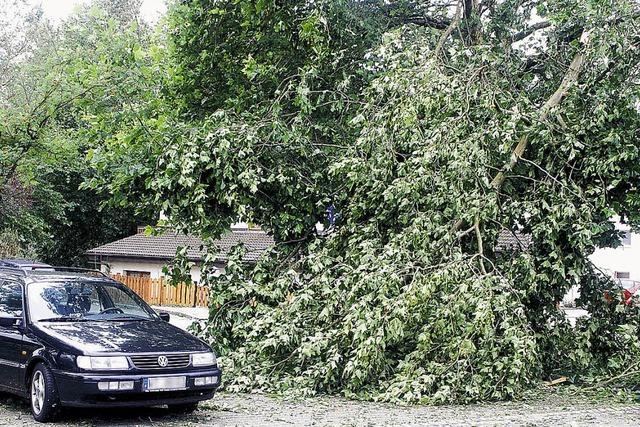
point(44, 396)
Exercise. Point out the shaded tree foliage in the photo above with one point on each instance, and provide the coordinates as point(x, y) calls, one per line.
point(49, 75)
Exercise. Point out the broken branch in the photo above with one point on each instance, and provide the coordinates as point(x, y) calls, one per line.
point(530, 30)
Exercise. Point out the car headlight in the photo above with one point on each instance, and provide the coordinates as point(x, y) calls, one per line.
point(203, 359)
point(91, 363)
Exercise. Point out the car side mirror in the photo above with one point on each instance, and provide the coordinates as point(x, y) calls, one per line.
point(11, 321)
point(164, 316)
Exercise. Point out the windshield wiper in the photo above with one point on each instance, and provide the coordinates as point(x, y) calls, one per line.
point(64, 319)
point(127, 317)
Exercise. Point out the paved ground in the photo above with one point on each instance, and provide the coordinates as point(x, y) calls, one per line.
point(183, 317)
point(254, 410)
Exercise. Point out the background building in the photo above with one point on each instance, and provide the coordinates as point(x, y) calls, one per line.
point(143, 255)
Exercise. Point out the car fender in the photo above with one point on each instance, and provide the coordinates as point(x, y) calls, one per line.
point(30, 366)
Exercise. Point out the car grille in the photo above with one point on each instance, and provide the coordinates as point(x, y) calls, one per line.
point(150, 361)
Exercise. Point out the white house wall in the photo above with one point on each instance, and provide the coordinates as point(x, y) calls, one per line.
point(154, 268)
point(624, 259)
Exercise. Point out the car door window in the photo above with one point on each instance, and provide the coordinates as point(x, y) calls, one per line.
point(96, 303)
point(10, 299)
point(124, 301)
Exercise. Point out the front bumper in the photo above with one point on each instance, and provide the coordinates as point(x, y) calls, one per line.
point(81, 389)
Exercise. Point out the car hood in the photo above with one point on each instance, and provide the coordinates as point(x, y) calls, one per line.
point(122, 337)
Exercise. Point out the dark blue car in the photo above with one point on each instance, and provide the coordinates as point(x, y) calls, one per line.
point(76, 338)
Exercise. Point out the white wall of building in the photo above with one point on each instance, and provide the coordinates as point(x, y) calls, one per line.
point(621, 260)
point(119, 267)
point(615, 262)
point(154, 268)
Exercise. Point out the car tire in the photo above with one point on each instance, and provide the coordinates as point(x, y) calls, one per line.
point(43, 394)
point(183, 408)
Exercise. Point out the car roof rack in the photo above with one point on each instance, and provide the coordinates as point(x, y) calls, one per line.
point(12, 271)
point(50, 269)
point(22, 264)
point(26, 268)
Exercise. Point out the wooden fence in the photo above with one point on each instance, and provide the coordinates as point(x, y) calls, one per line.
point(157, 292)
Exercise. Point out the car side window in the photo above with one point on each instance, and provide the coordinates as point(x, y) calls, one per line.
point(123, 301)
point(10, 299)
point(96, 303)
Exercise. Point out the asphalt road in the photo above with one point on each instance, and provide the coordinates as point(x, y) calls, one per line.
point(257, 410)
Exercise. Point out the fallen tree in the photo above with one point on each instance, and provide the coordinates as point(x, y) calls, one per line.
point(451, 136)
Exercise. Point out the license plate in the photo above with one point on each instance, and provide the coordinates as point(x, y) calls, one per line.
point(164, 384)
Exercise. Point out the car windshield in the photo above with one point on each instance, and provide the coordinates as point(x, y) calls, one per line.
point(84, 301)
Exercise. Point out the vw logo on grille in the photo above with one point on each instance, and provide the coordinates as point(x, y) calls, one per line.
point(163, 361)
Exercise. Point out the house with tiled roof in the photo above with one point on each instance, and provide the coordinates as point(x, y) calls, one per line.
point(144, 255)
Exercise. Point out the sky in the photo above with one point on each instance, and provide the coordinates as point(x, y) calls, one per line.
point(56, 10)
